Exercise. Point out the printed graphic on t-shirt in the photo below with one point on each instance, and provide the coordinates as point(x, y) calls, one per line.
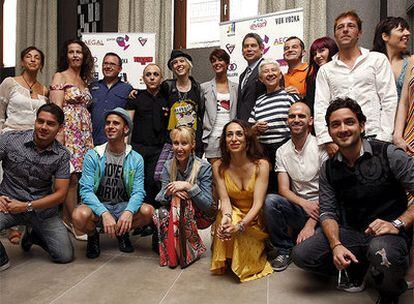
point(111, 188)
point(183, 113)
point(223, 105)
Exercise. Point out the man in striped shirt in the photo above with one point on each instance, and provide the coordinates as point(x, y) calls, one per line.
point(269, 114)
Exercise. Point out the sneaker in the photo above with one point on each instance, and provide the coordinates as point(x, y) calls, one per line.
point(124, 243)
point(4, 259)
point(281, 262)
point(387, 300)
point(347, 284)
point(93, 249)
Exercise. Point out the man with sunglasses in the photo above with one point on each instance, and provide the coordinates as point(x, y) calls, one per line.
point(149, 112)
point(108, 93)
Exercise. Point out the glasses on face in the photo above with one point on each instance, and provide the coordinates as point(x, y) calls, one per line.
point(149, 74)
point(110, 64)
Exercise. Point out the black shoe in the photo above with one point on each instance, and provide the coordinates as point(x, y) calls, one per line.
point(4, 259)
point(124, 243)
point(143, 231)
point(30, 238)
point(93, 250)
point(387, 300)
point(26, 240)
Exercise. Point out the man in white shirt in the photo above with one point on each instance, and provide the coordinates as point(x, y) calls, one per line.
point(361, 75)
point(298, 162)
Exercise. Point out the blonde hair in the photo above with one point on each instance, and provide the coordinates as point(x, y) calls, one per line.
point(187, 134)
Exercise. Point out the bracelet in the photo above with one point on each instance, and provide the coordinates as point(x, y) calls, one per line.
point(228, 215)
point(336, 245)
point(240, 226)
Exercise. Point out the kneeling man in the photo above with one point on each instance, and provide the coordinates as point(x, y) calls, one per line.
point(112, 187)
point(30, 160)
point(363, 208)
point(298, 163)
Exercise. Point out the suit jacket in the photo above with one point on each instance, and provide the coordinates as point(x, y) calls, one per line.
point(248, 95)
point(209, 96)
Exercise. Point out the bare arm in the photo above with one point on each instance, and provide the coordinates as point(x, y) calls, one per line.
point(311, 208)
point(57, 96)
point(221, 190)
point(48, 201)
point(260, 188)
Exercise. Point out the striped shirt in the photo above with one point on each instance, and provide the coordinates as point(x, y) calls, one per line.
point(273, 108)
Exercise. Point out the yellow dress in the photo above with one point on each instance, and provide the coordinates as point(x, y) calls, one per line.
point(246, 249)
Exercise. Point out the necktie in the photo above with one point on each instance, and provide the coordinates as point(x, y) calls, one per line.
point(246, 77)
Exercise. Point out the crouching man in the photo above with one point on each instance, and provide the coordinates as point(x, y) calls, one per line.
point(112, 188)
point(30, 160)
point(363, 209)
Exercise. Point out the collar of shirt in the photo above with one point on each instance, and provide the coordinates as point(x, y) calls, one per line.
point(301, 68)
point(29, 142)
point(102, 82)
point(364, 54)
point(304, 145)
point(254, 64)
point(187, 171)
point(365, 148)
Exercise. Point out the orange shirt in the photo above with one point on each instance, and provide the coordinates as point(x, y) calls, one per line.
point(297, 78)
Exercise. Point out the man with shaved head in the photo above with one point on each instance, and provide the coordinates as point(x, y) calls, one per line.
point(149, 113)
point(298, 162)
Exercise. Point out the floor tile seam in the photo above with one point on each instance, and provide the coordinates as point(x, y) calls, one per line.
point(171, 287)
point(84, 279)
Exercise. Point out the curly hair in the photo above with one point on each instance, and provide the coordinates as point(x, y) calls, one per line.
point(254, 150)
point(345, 103)
point(87, 67)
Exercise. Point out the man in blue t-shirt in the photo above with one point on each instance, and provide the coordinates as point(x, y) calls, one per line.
point(108, 93)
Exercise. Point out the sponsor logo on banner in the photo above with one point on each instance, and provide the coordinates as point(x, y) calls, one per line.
point(231, 29)
point(94, 42)
point(281, 62)
point(232, 67)
point(280, 40)
point(230, 47)
point(143, 60)
point(123, 41)
point(95, 59)
point(124, 60)
point(265, 42)
point(142, 40)
point(258, 24)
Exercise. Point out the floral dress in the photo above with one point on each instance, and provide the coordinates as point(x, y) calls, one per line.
point(77, 127)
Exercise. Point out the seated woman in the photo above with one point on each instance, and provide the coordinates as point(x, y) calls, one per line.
point(187, 202)
point(241, 178)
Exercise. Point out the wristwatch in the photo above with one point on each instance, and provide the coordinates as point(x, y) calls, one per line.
point(399, 224)
point(29, 207)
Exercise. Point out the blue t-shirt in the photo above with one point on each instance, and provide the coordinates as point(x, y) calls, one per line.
point(105, 99)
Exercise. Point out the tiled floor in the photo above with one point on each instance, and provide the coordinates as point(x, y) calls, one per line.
point(117, 277)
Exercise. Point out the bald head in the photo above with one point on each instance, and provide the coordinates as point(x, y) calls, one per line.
point(300, 120)
point(302, 106)
point(152, 77)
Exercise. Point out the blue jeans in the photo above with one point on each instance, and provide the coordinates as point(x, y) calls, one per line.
point(279, 214)
point(50, 229)
point(386, 258)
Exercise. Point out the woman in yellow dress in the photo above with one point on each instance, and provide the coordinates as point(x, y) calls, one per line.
point(241, 178)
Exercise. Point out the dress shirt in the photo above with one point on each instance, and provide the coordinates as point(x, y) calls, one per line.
point(302, 166)
point(370, 82)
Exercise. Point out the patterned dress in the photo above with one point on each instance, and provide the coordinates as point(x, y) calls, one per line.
point(246, 249)
point(77, 126)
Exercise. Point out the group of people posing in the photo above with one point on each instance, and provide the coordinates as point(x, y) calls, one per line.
point(314, 166)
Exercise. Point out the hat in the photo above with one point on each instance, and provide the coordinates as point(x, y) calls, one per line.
point(124, 114)
point(176, 54)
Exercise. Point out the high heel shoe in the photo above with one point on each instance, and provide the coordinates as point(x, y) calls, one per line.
point(71, 229)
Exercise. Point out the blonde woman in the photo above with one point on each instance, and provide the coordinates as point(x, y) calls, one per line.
point(187, 202)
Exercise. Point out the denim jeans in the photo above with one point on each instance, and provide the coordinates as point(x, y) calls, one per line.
point(50, 229)
point(279, 214)
point(385, 257)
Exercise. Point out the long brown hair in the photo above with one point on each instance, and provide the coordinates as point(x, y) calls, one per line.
point(254, 150)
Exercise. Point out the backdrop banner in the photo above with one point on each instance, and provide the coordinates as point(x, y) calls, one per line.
point(135, 49)
point(274, 29)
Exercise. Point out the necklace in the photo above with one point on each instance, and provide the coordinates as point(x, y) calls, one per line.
point(30, 86)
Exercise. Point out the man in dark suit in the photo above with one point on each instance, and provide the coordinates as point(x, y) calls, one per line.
point(249, 86)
